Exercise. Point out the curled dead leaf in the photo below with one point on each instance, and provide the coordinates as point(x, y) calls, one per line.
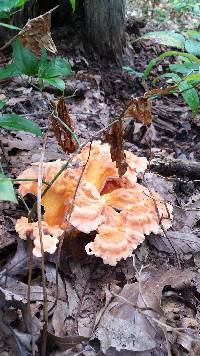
point(115, 139)
point(36, 34)
point(62, 132)
point(140, 109)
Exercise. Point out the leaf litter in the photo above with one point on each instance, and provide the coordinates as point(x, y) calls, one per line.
point(129, 312)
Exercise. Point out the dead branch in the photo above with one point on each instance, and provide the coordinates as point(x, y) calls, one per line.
point(175, 167)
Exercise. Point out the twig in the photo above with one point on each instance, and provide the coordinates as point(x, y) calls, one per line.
point(29, 180)
point(39, 214)
point(30, 267)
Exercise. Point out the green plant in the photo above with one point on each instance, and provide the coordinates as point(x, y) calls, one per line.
point(18, 123)
point(7, 8)
point(25, 62)
point(184, 74)
point(6, 189)
point(192, 6)
point(73, 4)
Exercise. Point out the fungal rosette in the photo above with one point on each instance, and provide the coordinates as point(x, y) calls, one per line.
point(91, 196)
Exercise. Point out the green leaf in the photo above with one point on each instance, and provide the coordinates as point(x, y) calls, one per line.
point(6, 189)
point(6, 6)
point(190, 96)
point(195, 35)
point(191, 77)
point(167, 38)
point(56, 82)
point(175, 77)
point(164, 55)
point(9, 70)
point(11, 27)
point(193, 47)
point(19, 123)
point(132, 71)
point(185, 68)
point(56, 67)
point(3, 103)
point(73, 4)
point(25, 61)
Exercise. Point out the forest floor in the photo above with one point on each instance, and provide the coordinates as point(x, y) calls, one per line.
point(163, 274)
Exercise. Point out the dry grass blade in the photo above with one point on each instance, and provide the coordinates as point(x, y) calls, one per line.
point(63, 126)
point(36, 34)
point(115, 139)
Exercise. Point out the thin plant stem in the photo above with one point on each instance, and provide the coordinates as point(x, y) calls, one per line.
point(39, 214)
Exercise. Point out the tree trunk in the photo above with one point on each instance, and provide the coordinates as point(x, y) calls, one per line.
point(104, 23)
point(105, 27)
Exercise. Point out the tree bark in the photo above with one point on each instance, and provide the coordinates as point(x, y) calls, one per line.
point(105, 27)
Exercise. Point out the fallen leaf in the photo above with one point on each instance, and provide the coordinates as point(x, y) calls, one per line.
point(184, 238)
point(182, 242)
point(13, 289)
point(59, 316)
point(50, 271)
point(123, 327)
point(7, 333)
point(67, 342)
point(19, 264)
point(73, 299)
point(14, 101)
point(161, 185)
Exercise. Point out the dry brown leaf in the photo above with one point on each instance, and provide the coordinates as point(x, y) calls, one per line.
point(115, 139)
point(160, 91)
point(122, 325)
point(140, 109)
point(36, 34)
point(62, 134)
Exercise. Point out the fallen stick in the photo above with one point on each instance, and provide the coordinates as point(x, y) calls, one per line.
point(176, 167)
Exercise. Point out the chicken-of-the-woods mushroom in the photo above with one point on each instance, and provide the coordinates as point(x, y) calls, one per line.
point(119, 209)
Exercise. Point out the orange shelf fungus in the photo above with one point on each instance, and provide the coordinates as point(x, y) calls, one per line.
point(119, 209)
point(50, 235)
point(87, 212)
point(114, 240)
